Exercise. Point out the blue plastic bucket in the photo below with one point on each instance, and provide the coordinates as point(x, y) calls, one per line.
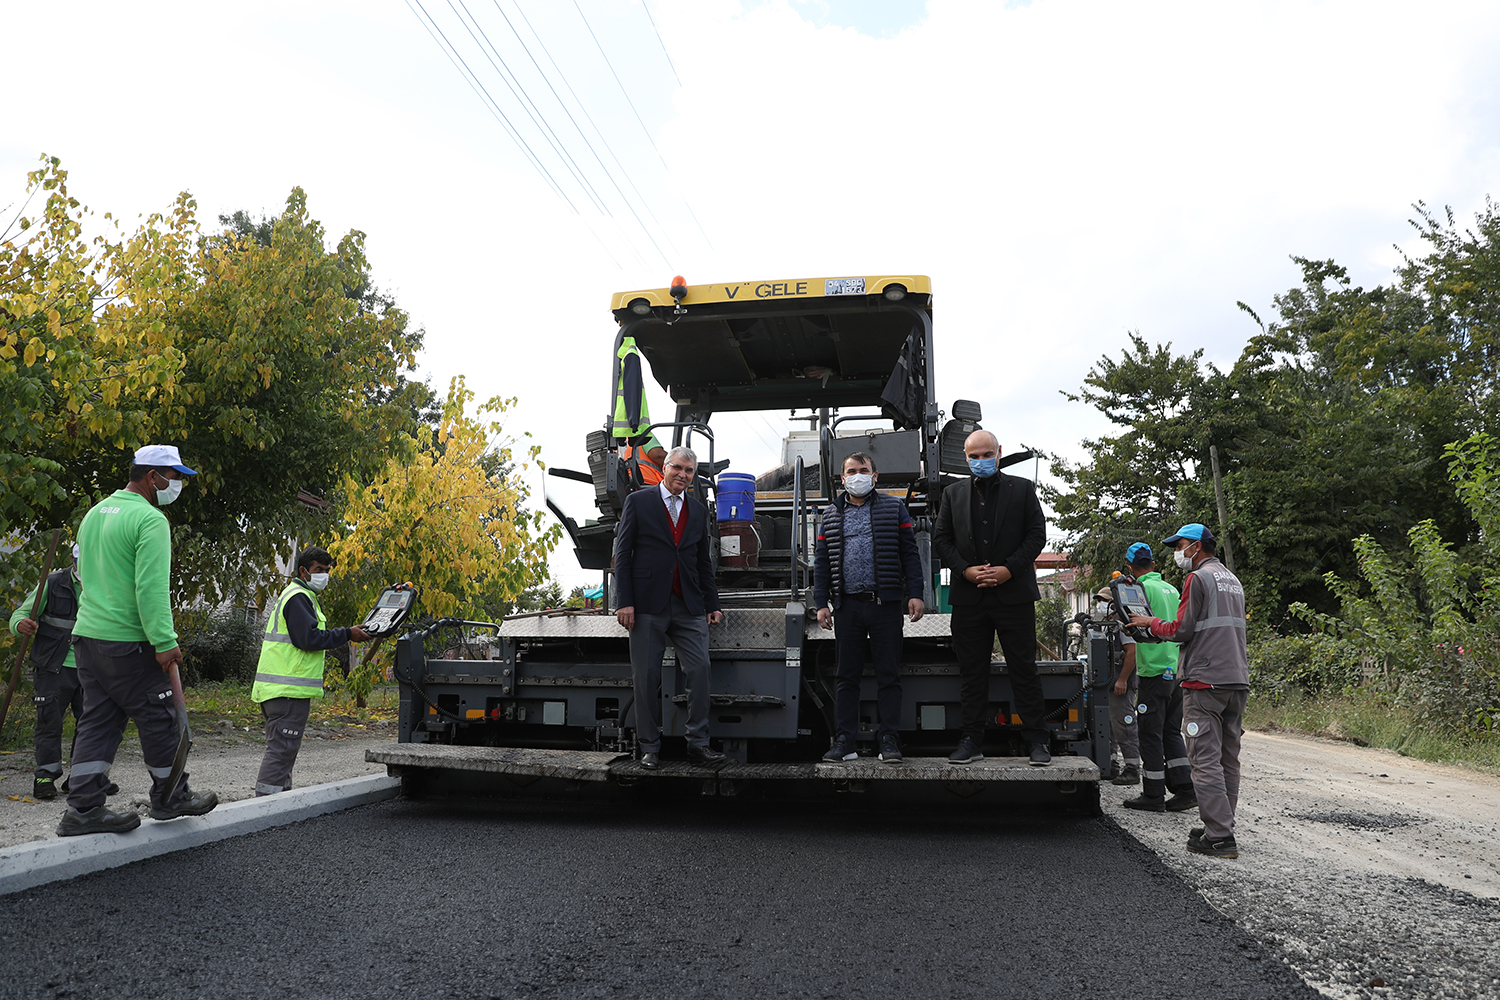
point(736, 493)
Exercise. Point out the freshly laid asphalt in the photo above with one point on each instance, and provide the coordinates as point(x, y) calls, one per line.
point(475, 899)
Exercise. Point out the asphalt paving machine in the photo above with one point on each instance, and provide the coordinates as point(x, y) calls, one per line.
point(544, 703)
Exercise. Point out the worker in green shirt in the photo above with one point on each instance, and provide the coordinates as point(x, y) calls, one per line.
point(54, 678)
point(126, 645)
point(1164, 758)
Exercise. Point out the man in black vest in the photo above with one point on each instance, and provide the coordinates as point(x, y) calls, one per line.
point(868, 566)
point(55, 687)
point(664, 585)
point(989, 533)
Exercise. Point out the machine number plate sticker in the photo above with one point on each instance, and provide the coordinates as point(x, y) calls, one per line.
point(844, 286)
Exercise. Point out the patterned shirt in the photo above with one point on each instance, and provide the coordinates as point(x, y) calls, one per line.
point(859, 550)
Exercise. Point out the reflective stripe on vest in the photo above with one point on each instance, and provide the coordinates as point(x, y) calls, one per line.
point(1213, 619)
point(63, 623)
point(620, 427)
point(284, 671)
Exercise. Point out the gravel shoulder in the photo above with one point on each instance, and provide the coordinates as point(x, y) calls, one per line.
point(223, 758)
point(1359, 866)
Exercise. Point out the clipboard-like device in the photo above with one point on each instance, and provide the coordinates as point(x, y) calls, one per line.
point(392, 607)
point(1130, 599)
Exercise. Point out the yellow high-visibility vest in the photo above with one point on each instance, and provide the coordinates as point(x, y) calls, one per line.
point(284, 671)
point(621, 427)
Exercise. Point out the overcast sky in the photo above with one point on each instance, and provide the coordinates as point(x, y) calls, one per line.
point(1064, 170)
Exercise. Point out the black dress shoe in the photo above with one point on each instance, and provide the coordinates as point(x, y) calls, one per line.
point(704, 756)
point(650, 761)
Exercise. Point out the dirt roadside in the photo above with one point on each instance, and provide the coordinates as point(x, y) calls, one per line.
point(1374, 875)
point(223, 758)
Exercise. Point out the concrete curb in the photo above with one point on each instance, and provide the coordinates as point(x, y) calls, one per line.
point(39, 862)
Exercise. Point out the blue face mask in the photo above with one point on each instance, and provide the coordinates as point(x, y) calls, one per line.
point(984, 468)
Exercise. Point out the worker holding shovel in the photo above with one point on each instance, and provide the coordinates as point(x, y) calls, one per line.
point(127, 651)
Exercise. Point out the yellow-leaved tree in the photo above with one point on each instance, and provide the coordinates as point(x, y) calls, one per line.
point(451, 520)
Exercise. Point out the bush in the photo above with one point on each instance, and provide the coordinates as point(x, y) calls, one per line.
point(219, 644)
point(1284, 667)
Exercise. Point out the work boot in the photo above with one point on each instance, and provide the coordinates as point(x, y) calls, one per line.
point(96, 820)
point(1040, 755)
point(1224, 848)
point(44, 788)
point(1147, 803)
point(1116, 768)
point(1130, 774)
point(189, 803)
point(1182, 802)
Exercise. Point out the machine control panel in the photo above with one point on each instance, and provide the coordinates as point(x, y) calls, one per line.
point(392, 607)
point(1130, 599)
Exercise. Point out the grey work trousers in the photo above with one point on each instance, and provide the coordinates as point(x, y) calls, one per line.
point(286, 721)
point(54, 692)
point(1124, 735)
point(122, 680)
point(688, 633)
point(1213, 720)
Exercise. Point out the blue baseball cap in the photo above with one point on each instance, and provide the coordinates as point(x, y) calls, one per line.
point(1194, 532)
point(1137, 550)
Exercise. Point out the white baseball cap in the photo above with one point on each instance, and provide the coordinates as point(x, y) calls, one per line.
point(162, 455)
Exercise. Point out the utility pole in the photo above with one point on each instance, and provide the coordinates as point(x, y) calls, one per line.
point(1213, 457)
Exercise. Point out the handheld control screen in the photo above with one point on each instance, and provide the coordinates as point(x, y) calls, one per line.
point(1130, 599)
point(391, 609)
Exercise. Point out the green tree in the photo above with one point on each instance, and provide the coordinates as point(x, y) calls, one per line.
point(442, 519)
point(257, 358)
point(1128, 489)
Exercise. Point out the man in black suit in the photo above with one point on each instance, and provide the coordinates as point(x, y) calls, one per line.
point(989, 533)
point(664, 583)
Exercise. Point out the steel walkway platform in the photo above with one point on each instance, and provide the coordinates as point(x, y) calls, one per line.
point(584, 765)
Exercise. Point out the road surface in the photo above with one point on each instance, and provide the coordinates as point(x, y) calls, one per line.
point(435, 899)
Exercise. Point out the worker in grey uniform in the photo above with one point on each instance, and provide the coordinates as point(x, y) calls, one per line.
point(1215, 678)
point(54, 679)
point(289, 674)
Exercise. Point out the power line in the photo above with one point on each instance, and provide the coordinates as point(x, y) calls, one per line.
point(519, 93)
point(485, 98)
point(594, 125)
point(581, 134)
point(662, 43)
point(637, 114)
point(490, 105)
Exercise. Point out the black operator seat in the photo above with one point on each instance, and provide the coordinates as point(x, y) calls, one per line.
point(965, 421)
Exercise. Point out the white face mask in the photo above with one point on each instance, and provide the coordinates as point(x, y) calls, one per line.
point(1182, 559)
point(172, 492)
point(318, 581)
point(859, 483)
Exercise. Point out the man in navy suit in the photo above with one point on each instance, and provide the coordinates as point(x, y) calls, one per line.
point(664, 583)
